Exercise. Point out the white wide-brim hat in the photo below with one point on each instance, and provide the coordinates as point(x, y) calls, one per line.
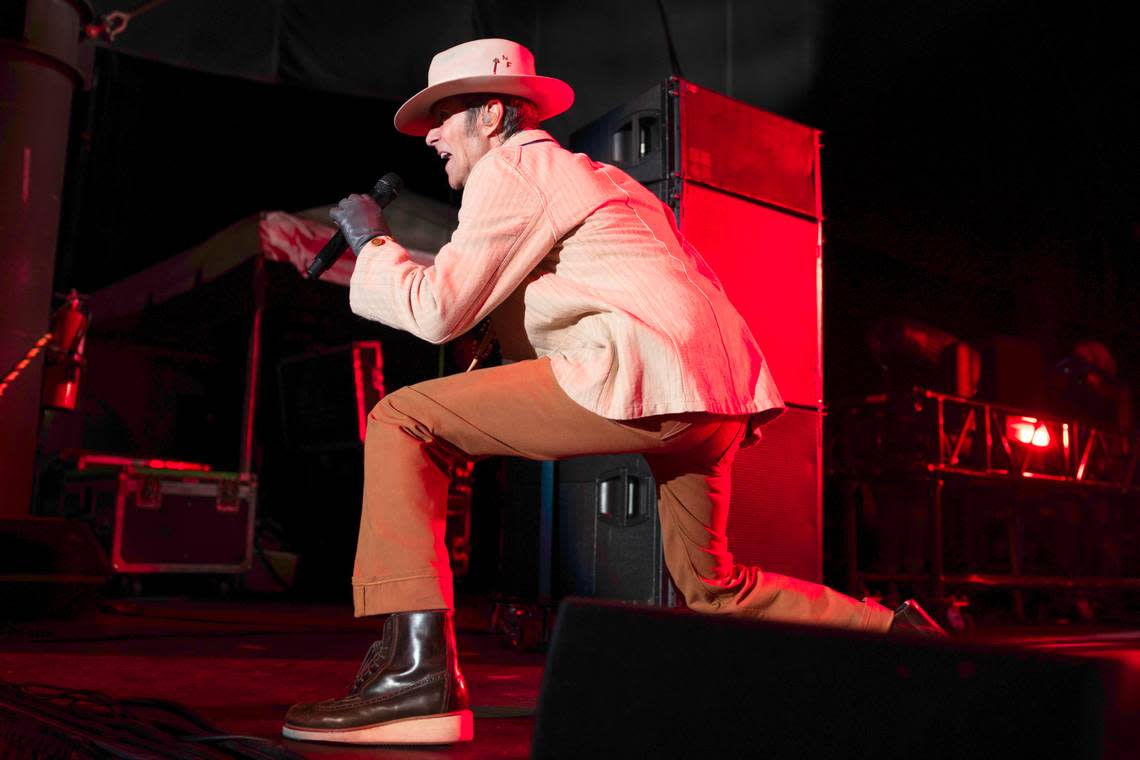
point(493, 66)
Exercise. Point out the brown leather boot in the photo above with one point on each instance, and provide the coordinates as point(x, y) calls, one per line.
point(409, 691)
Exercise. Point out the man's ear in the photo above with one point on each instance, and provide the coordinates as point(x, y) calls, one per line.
point(491, 116)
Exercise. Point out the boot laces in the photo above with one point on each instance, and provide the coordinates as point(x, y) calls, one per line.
point(372, 662)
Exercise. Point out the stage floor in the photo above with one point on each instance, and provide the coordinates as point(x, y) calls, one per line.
point(240, 664)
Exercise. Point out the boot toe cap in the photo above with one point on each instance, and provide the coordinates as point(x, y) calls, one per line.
point(332, 714)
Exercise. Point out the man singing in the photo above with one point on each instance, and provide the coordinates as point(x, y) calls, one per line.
point(622, 340)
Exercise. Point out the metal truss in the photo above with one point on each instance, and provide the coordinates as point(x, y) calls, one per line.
point(974, 438)
point(932, 432)
point(933, 437)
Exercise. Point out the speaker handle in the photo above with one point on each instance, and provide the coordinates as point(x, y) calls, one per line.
point(620, 497)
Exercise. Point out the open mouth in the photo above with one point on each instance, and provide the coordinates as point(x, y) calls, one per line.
point(445, 156)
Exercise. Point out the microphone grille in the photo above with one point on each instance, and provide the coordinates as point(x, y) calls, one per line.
point(389, 184)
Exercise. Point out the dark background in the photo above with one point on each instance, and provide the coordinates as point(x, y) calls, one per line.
point(980, 159)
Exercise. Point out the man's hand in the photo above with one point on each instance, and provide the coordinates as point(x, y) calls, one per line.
point(360, 219)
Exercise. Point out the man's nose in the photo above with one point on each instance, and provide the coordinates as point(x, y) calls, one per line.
point(432, 136)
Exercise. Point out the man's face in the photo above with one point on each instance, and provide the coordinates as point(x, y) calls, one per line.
point(459, 145)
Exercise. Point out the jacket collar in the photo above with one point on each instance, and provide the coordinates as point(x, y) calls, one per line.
point(527, 136)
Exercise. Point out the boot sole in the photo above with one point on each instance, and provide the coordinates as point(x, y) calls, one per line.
point(446, 728)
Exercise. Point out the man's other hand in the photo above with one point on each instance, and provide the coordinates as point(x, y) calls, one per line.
point(360, 218)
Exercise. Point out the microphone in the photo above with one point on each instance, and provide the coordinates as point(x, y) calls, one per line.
point(384, 192)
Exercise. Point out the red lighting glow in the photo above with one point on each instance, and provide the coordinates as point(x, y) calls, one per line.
point(167, 464)
point(110, 460)
point(368, 373)
point(1029, 431)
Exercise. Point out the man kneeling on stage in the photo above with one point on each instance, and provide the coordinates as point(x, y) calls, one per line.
point(623, 341)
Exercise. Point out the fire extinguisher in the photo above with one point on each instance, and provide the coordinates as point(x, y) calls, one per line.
point(63, 358)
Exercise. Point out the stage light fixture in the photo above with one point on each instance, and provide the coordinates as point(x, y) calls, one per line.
point(1028, 431)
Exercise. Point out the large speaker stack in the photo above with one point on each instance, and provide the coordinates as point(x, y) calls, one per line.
point(744, 185)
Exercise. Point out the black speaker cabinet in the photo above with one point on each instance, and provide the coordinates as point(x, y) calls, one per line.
point(584, 526)
point(744, 185)
point(607, 531)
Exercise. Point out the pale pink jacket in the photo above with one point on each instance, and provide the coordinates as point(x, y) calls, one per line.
point(575, 260)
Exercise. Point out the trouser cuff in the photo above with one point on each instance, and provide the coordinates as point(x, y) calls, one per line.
point(876, 617)
point(381, 596)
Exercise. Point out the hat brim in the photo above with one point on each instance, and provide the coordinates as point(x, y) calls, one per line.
point(551, 96)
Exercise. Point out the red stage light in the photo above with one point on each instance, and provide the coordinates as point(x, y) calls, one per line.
point(1029, 431)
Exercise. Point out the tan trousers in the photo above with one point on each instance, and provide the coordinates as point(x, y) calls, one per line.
point(519, 410)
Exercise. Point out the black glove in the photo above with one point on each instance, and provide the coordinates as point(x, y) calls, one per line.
point(360, 218)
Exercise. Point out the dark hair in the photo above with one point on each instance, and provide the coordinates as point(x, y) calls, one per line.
point(518, 113)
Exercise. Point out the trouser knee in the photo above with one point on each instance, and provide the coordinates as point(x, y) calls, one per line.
point(386, 417)
point(387, 409)
point(706, 599)
point(701, 594)
point(406, 417)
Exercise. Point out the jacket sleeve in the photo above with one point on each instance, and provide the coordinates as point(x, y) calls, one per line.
point(503, 233)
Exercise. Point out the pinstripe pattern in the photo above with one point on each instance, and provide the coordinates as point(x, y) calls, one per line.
point(574, 260)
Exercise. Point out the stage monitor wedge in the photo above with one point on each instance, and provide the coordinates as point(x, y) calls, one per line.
point(624, 681)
